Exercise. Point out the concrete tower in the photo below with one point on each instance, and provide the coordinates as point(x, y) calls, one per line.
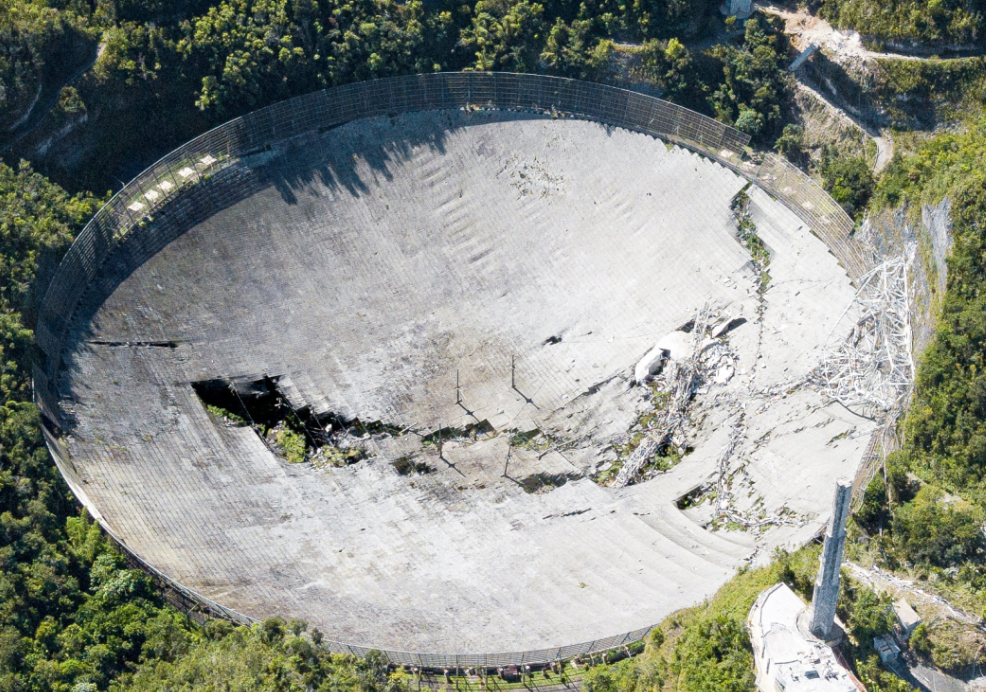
point(821, 614)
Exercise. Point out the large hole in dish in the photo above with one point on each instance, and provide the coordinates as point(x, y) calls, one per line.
point(297, 435)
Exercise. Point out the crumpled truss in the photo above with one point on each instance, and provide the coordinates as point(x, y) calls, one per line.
point(874, 365)
point(684, 379)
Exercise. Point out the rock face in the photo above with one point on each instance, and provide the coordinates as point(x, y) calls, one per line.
point(460, 301)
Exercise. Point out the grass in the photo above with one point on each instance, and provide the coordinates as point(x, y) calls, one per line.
point(493, 683)
point(748, 234)
point(331, 455)
point(685, 646)
point(533, 440)
point(533, 681)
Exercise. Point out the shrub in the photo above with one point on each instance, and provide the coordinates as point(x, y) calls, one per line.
point(714, 655)
point(932, 531)
point(848, 179)
point(292, 445)
point(791, 142)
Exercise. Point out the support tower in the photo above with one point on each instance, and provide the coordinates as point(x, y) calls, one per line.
point(826, 595)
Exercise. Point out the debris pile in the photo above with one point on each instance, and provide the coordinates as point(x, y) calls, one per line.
point(683, 378)
point(874, 366)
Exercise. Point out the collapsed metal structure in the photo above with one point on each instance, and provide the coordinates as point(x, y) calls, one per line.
point(155, 208)
point(874, 366)
point(683, 378)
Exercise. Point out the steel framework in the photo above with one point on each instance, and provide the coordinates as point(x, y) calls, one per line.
point(875, 366)
point(683, 381)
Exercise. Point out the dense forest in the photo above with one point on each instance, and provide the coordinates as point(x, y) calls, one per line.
point(91, 91)
point(179, 71)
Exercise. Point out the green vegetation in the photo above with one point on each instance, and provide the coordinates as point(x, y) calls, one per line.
point(911, 89)
point(534, 440)
point(933, 532)
point(926, 518)
point(271, 656)
point(944, 165)
point(759, 251)
point(271, 49)
point(292, 445)
point(74, 617)
point(39, 45)
point(945, 430)
point(564, 673)
point(939, 23)
point(70, 612)
point(848, 179)
point(667, 455)
point(334, 455)
point(176, 70)
point(948, 644)
point(745, 85)
point(706, 648)
point(225, 415)
point(791, 142)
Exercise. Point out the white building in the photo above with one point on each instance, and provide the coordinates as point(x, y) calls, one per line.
point(788, 657)
point(906, 616)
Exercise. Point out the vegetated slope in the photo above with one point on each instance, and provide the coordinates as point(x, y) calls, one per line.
point(73, 617)
point(926, 518)
point(707, 648)
point(936, 25)
point(69, 610)
point(945, 430)
point(39, 45)
point(159, 83)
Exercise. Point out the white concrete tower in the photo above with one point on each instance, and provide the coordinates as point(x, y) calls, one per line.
point(821, 614)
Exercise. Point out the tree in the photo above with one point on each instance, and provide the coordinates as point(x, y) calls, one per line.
point(848, 179)
point(577, 50)
point(935, 532)
point(714, 656)
point(505, 35)
point(791, 142)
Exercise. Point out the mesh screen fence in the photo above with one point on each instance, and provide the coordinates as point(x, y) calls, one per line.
point(186, 186)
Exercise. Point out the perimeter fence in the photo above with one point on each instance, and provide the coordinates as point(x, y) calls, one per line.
point(197, 179)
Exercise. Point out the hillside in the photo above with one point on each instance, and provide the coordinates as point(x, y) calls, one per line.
point(90, 93)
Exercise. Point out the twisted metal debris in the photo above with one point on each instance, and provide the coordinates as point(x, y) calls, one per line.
point(875, 364)
point(684, 380)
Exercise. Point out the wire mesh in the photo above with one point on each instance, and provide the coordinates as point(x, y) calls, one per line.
point(814, 206)
point(189, 184)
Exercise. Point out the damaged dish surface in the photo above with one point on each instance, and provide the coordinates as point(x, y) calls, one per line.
point(389, 386)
